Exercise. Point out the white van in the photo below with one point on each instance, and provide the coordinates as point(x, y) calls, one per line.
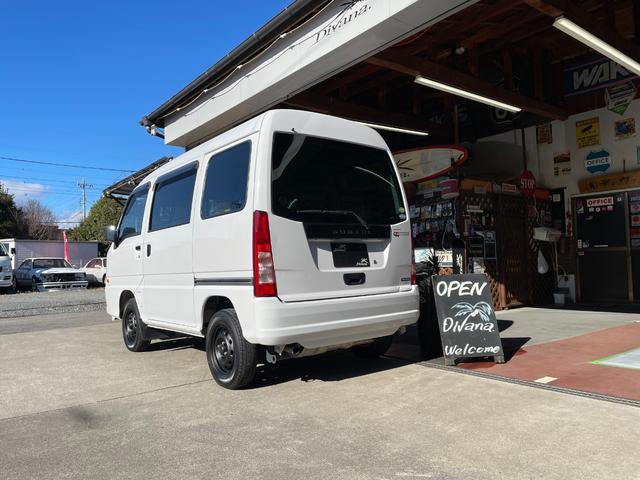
point(285, 236)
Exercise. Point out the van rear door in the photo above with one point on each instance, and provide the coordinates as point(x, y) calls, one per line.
point(339, 226)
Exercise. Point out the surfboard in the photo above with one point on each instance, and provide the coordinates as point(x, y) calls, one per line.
point(421, 164)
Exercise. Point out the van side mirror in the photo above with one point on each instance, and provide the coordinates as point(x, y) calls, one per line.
point(13, 250)
point(110, 233)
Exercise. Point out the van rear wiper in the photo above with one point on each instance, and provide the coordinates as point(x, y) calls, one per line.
point(339, 212)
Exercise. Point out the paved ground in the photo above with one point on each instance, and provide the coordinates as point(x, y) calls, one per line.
point(22, 304)
point(75, 404)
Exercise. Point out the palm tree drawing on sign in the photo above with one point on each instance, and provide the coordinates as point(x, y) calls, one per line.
point(466, 310)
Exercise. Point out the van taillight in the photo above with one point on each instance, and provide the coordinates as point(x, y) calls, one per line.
point(264, 274)
point(414, 277)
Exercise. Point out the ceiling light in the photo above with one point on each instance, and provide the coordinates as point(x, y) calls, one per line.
point(395, 129)
point(580, 34)
point(463, 93)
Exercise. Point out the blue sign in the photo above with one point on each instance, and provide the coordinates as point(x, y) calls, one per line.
point(594, 75)
point(598, 162)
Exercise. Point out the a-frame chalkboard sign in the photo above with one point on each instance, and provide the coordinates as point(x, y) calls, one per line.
point(468, 325)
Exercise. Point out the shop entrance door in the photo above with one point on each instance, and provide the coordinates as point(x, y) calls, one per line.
point(603, 246)
point(514, 251)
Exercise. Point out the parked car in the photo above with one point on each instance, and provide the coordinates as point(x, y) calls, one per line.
point(6, 272)
point(285, 236)
point(96, 270)
point(46, 274)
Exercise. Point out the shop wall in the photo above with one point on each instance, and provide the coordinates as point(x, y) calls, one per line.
point(623, 152)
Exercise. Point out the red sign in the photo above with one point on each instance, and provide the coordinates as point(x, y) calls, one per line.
point(527, 184)
point(600, 202)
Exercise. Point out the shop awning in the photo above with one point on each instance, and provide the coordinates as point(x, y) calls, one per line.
point(124, 187)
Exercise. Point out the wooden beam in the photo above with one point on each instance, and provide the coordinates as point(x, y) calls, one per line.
point(636, 20)
point(414, 66)
point(579, 16)
point(333, 106)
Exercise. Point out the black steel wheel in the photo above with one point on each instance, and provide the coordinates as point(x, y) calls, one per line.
point(374, 349)
point(231, 359)
point(133, 330)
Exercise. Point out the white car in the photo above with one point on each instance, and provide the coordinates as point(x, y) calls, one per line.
point(285, 236)
point(96, 270)
point(46, 274)
point(6, 270)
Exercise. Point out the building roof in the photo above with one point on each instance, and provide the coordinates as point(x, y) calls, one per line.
point(124, 187)
point(298, 11)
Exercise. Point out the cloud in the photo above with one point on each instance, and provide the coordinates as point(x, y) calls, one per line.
point(24, 191)
point(71, 216)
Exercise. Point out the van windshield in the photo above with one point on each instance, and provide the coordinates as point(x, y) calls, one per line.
point(328, 181)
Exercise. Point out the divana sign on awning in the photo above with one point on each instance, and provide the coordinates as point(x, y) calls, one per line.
point(594, 75)
point(341, 35)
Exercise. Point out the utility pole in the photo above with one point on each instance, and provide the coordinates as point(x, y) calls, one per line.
point(84, 185)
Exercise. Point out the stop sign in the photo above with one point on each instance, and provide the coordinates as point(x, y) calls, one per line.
point(527, 183)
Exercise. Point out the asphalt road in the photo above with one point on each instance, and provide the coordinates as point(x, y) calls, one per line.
point(75, 404)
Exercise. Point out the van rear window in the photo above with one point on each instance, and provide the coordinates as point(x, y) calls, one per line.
point(321, 180)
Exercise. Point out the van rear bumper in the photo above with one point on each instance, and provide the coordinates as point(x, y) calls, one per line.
point(323, 323)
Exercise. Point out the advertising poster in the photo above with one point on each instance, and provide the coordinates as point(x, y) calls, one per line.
point(562, 164)
point(545, 134)
point(625, 128)
point(588, 132)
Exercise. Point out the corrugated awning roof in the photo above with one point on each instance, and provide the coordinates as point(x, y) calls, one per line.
point(124, 187)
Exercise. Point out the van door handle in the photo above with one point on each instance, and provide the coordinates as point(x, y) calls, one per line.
point(148, 249)
point(354, 278)
point(138, 247)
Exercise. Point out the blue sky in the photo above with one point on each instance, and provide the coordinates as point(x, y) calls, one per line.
point(77, 76)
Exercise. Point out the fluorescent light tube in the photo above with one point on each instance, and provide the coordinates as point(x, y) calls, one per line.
point(590, 40)
point(395, 129)
point(463, 93)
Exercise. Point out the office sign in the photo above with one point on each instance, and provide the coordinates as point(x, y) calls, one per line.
point(598, 162)
point(467, 321)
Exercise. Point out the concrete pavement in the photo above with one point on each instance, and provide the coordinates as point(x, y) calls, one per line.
point(75, 404)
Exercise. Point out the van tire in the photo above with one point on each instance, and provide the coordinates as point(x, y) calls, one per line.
point(231, 359)
point(374, 349)
point(133, 330)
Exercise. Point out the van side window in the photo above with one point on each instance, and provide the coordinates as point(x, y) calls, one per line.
point(172, 199)
point(131, 223)
point(225, 188)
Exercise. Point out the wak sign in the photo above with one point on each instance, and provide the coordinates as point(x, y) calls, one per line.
point(594, 75)
point(468, 325)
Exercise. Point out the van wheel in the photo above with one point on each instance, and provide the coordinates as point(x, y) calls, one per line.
point(374, 349)
point(133, 328)
point(231, 359)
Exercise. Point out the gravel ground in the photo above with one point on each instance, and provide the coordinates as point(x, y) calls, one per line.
point(24, 304)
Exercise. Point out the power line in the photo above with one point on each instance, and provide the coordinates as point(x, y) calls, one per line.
point(46, 180)
point(11, 159)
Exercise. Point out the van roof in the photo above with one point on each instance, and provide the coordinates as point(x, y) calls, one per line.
point(241, 131)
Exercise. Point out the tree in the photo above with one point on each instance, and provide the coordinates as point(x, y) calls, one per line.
point(36, 221)
point(104, 212)
point(8, 215)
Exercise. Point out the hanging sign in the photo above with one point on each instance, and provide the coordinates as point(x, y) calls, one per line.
point(594, 75)
point(599, 202)
point(588, 132)
point(614, 181)
point(598, 162)
point(619, 97)
point(468, 325)
point(527, 184)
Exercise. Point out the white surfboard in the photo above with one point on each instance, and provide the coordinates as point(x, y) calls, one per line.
point(419, 165)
